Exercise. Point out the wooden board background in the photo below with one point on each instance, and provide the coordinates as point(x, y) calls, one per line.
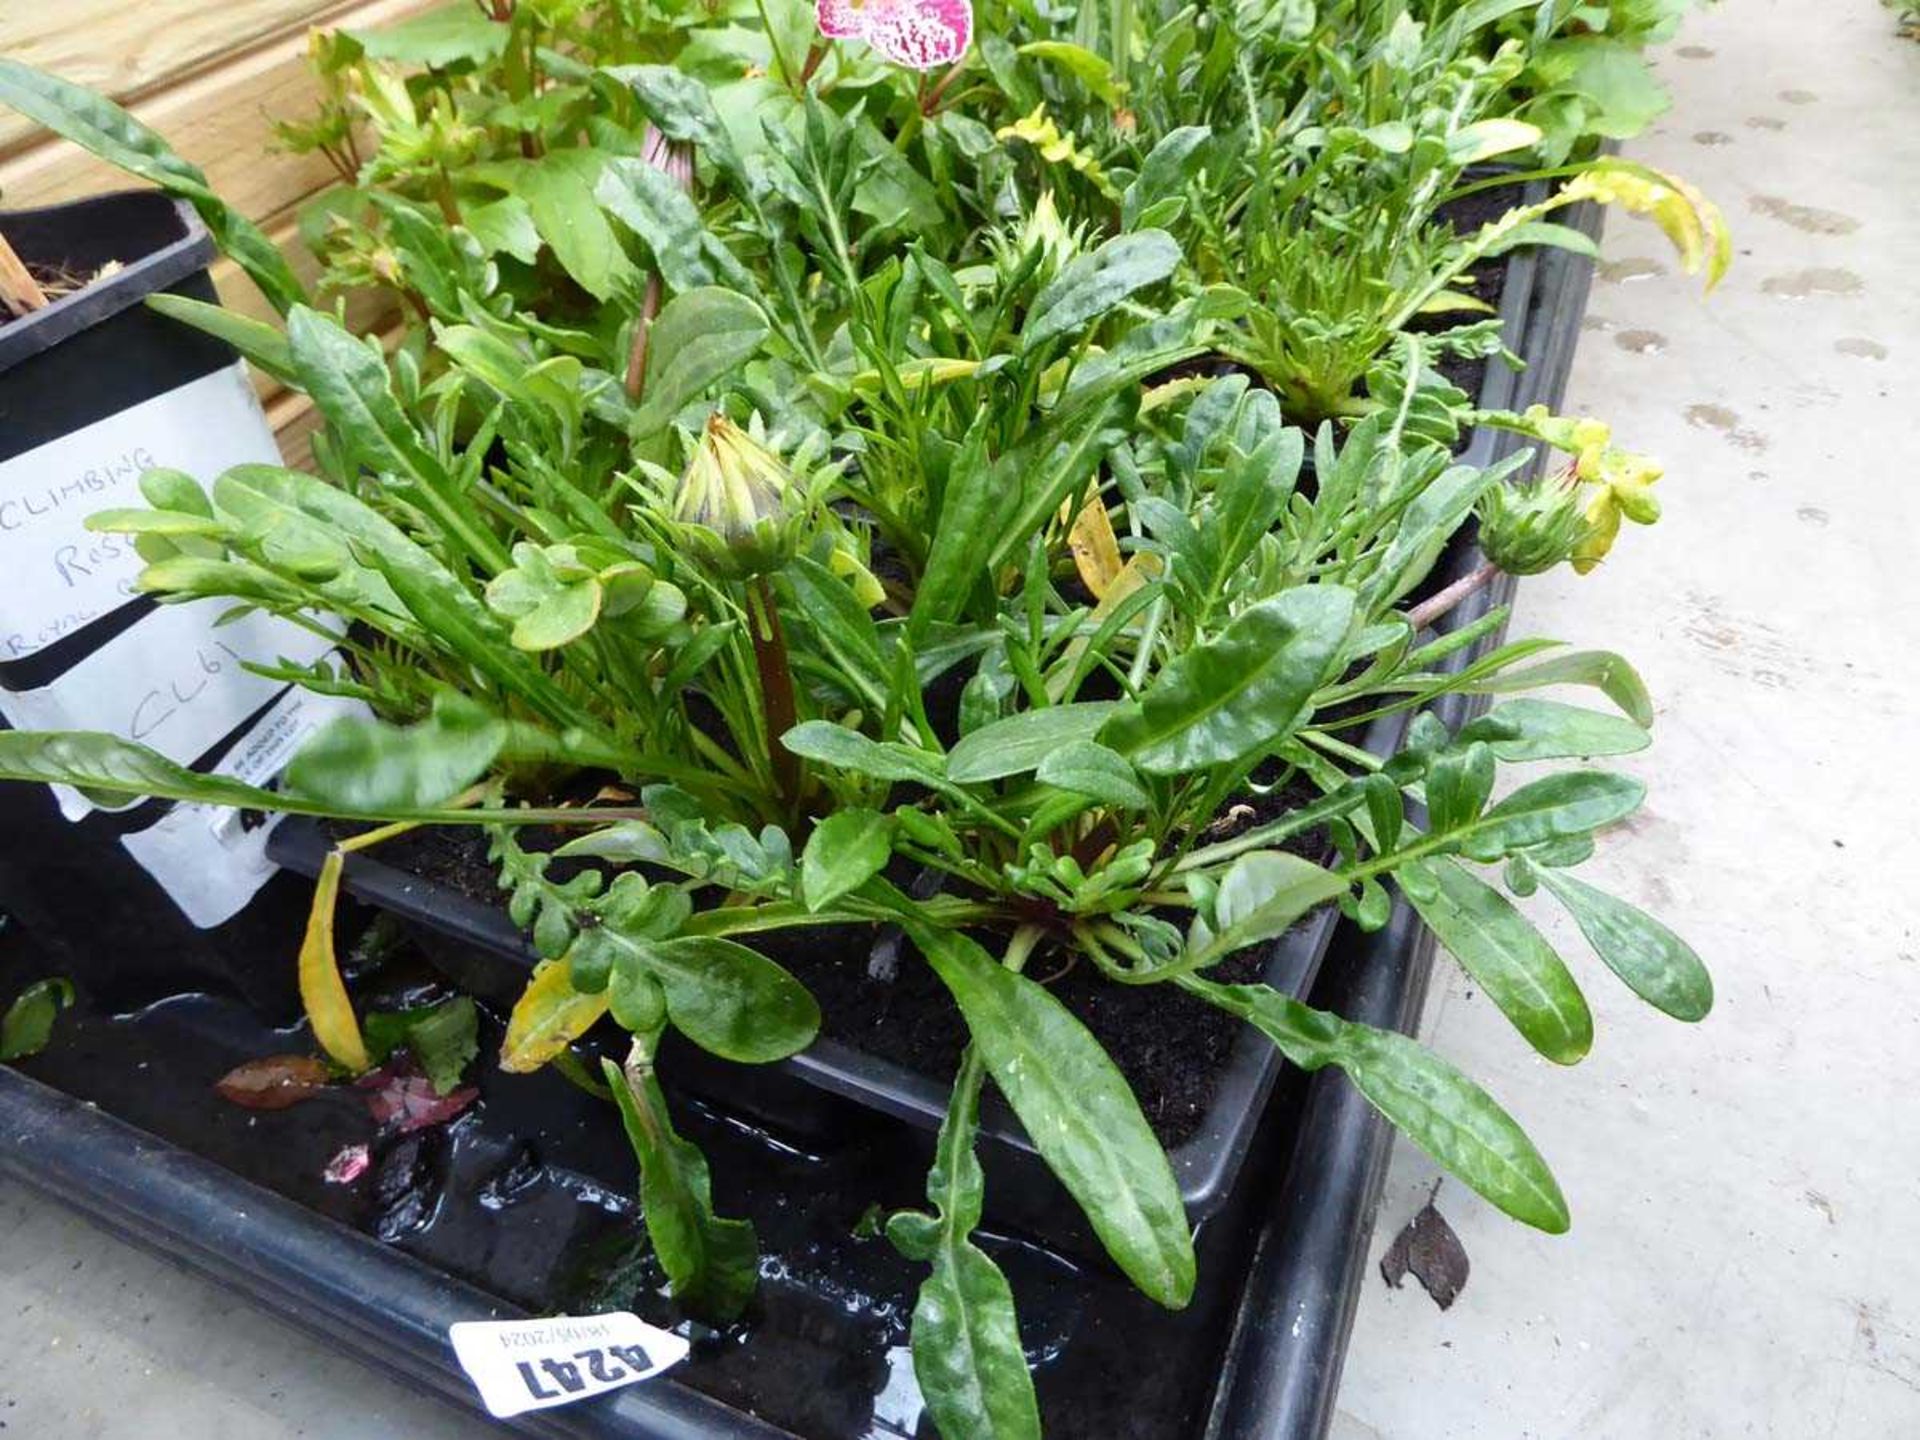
point(212, 76)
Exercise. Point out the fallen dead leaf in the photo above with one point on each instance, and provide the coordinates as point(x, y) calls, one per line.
point(1429, 1250)
point(273, 1082)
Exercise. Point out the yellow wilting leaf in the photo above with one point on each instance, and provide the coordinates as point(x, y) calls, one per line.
point(1139, 569)
point(1691, 221)
point(548, 1017)
point(322, 991)
point(1096, 549)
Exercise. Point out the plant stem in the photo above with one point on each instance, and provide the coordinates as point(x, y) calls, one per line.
point(1020, 947)
point(776, 687)
point(1437, 605)
point(642, 332)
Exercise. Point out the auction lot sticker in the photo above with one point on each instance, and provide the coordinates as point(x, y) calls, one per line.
point(520, 1365)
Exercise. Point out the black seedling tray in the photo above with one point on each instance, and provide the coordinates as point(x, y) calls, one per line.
point(482, 951)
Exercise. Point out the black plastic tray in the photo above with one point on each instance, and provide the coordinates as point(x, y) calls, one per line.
point(484, 952)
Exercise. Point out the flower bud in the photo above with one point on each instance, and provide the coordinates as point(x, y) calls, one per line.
point(672, 158)
point(735, 502)
point(1528, 529)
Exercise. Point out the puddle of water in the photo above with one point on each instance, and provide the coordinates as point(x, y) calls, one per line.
point(1765, 122)
point(1798, 97)
point(1712, 137)
point(1625, 272)
point(1641, 342)
point(1816, 280)
point(1861, 348)
point(1804, 217)
point(1727, 422)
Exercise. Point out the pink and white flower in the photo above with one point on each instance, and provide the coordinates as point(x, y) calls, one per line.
point(920, 34)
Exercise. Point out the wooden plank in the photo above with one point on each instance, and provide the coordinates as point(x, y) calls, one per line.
point(220, 118)
point(122, 50)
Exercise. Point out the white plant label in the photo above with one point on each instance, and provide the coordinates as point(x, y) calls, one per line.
point(175, 682)
point(212, 859)
point(55, 574)
point(521, 1365)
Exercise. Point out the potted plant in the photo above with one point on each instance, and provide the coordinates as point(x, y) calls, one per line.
point(948, 590)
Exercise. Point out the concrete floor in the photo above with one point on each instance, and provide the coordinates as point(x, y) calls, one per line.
point(1746, 1193)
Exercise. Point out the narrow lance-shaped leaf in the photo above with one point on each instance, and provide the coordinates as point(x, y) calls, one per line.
point(1091, 285)
point(711, 1263)
point(1607, 672)
point(1513, 964)
point(966, 1337)
point(1020, 743)
point(1078, 1111)
point(1433, 1104)
point(96, 124)
point(1245, 688)
point(1656, 964)
point(322, 992)
point(107, 765)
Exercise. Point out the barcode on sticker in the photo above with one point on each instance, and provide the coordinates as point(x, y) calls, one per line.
point(520, 1365)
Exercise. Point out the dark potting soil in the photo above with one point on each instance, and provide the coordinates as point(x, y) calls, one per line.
point(1171, 1047)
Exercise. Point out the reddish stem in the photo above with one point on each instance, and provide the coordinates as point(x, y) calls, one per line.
point(1436, 605)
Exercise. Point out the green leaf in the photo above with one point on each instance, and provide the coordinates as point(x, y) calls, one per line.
point(1573, 802)
point(648, 202)
point(725, 998)
point(1424, 530)
point(698, 338)
point(1548, 730)
point(1509, 959)
point(1246, 688)
point(845, 749)
point(28, 1023)
point(444, 1040)
point(558, 189)
point(1263, 893)
point(963, 534)
point(1089, 69)
point(1020, 743)
point(349, 384)
point(450, 35)
point(1626, 95)
point(1426, 1099)
point(102, 128)
point(1484, 139)
point(504, 227)
point(108, 765)
point(846, 850)
point(1089, 768)
point(1091, 285)
point(1545, 232)
point(840, 626)
point(711, 1263)
point(966, 1337)
point(1602, 669)
point(265, 345)
point(1656, 964)
point(1164, 173)
point(357, 764)
point(1078, 1111)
